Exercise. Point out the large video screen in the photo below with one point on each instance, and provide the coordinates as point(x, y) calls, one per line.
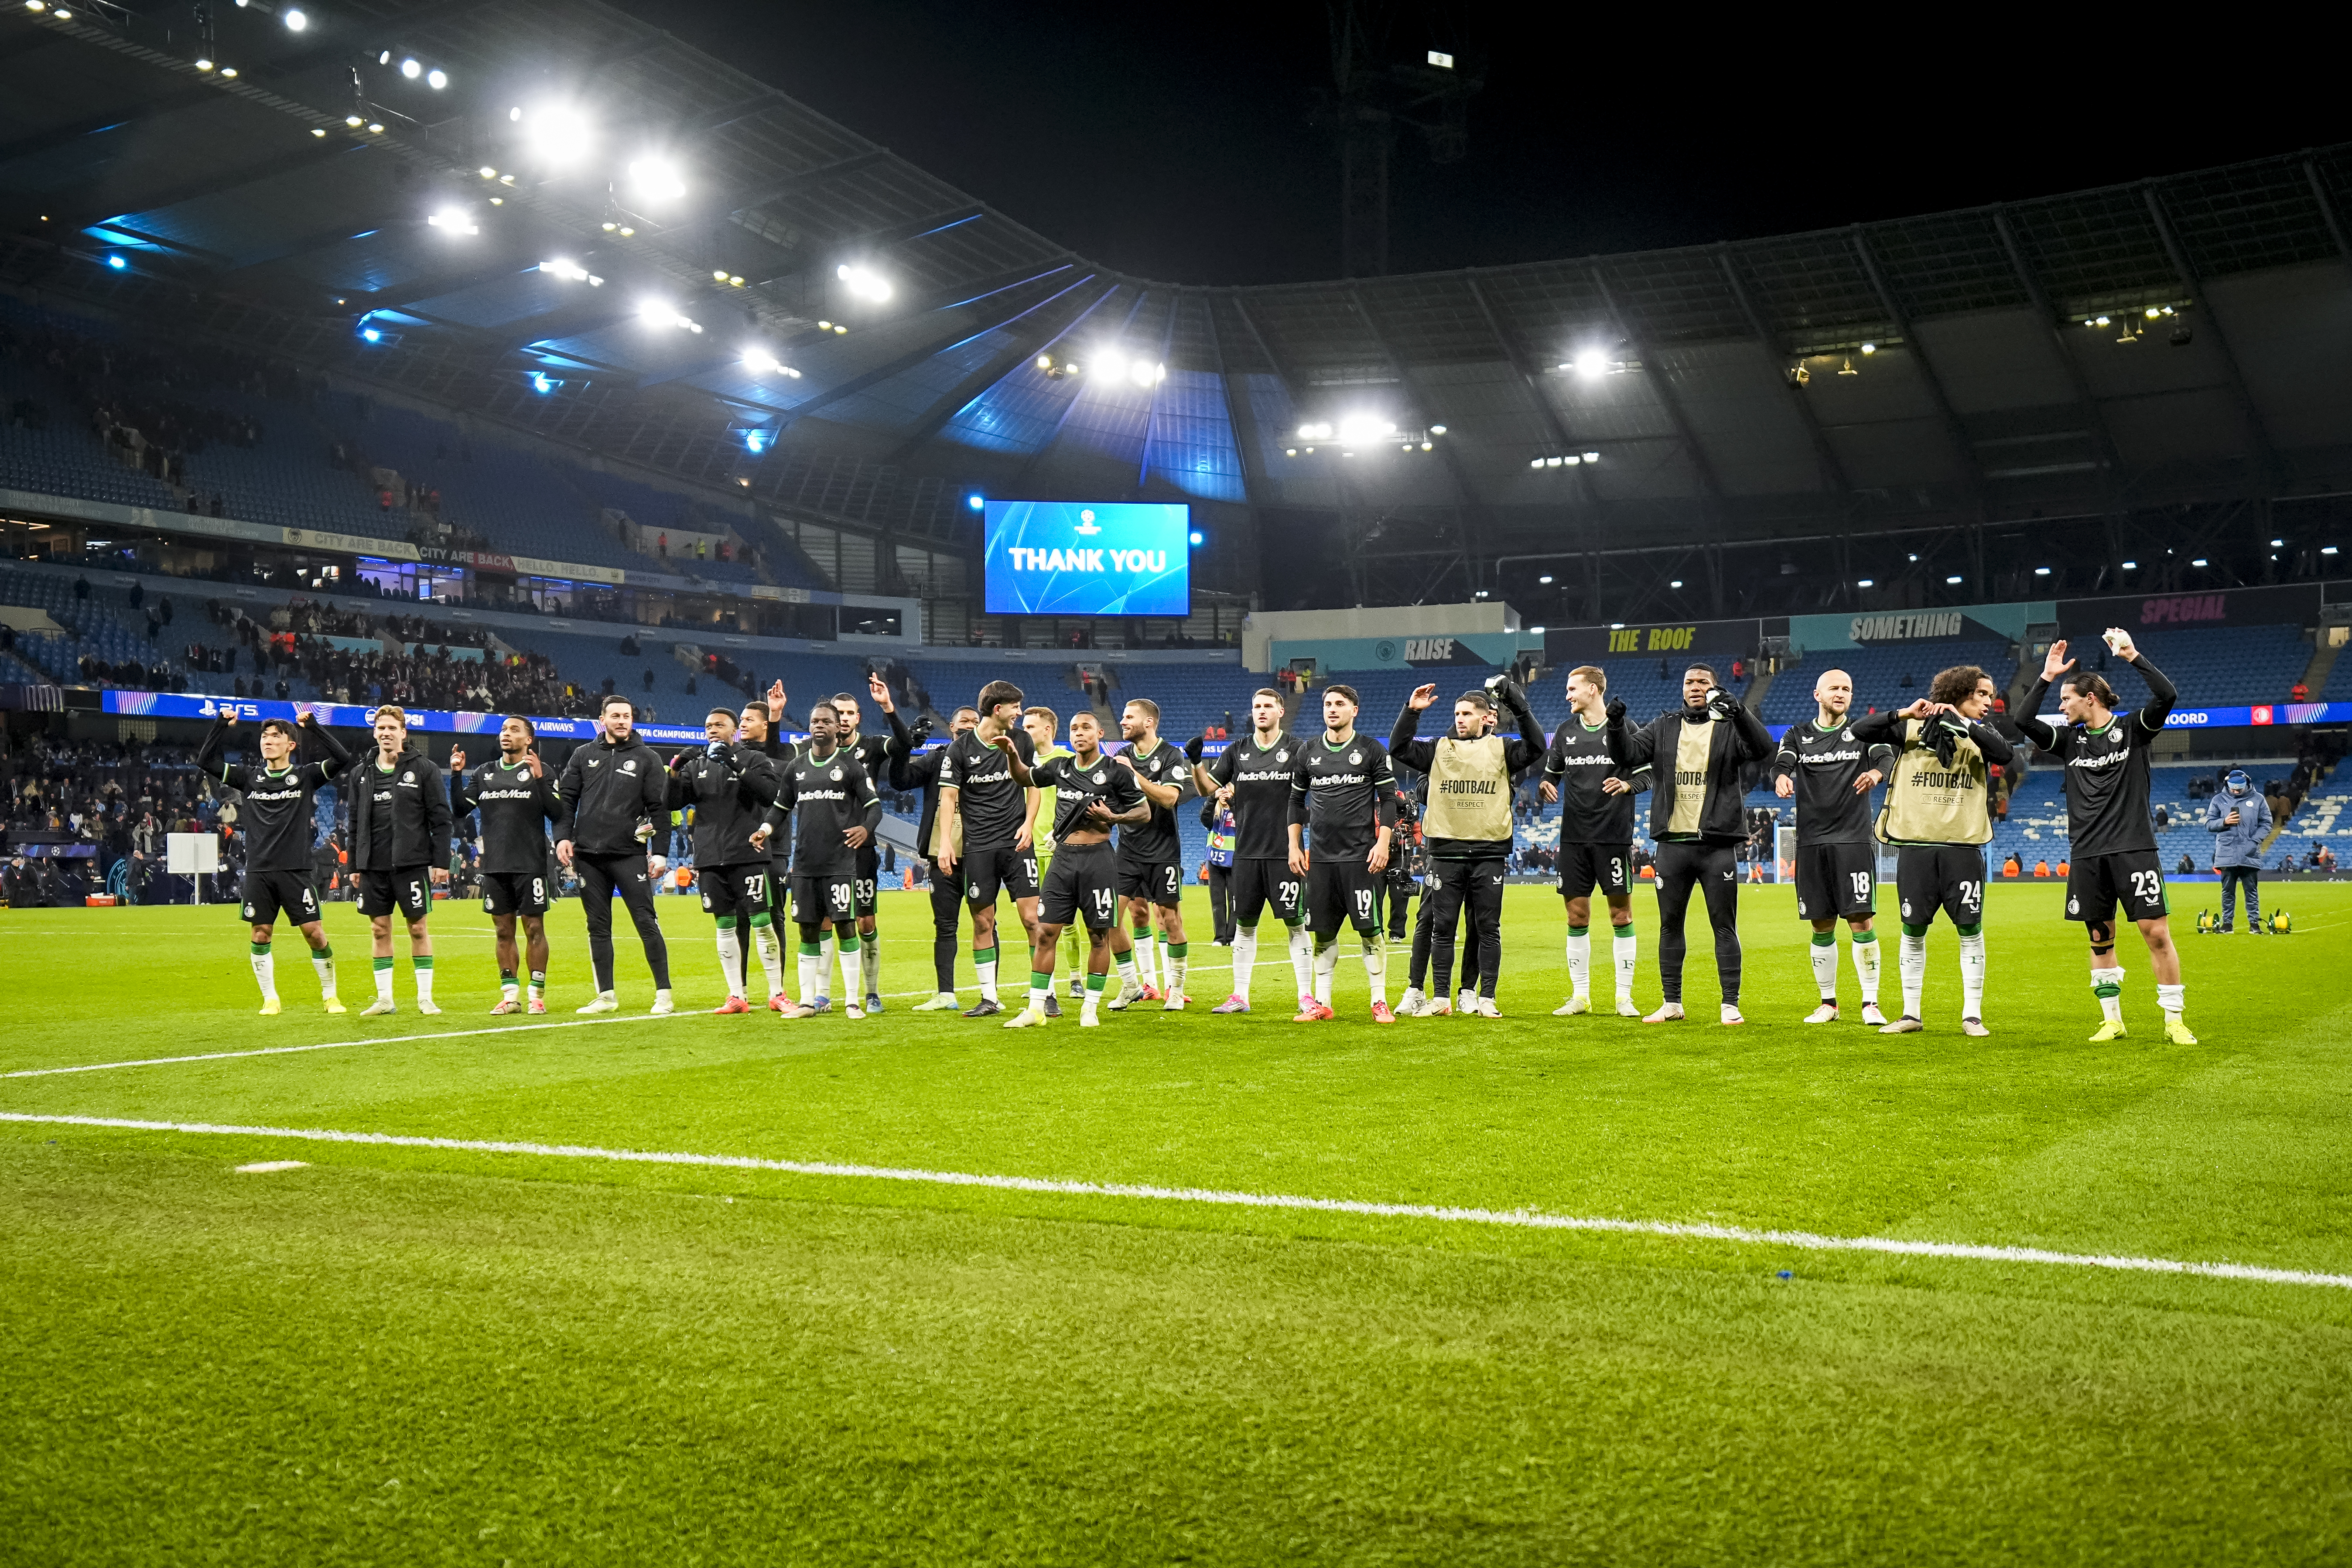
point(1088, 558)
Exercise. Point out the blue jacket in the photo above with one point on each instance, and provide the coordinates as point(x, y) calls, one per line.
point(2242, 845)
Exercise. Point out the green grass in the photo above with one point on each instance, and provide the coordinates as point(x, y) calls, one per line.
point(455, 1355)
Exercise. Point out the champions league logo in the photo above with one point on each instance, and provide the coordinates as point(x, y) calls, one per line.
point(1087, 523)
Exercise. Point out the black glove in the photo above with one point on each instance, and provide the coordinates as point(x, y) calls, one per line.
point(1193, 748)
point(1616, 711)
point(918, 732)
point(1721, 703)
point(715, 750)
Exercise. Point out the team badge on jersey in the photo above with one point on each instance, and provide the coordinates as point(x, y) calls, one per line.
point(2073, 906)
point(2114, 737)
point(1354, 758)
point(837, 775)
point(1281, 756)
point(1095, 778)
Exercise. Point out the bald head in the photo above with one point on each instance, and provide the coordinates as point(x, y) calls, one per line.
point(1834, 692)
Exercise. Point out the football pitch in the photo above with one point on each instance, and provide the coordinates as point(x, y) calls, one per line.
point(920, 1289)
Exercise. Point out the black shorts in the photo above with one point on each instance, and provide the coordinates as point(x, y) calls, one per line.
point(1838, 881)
point(985, 871)
point(868, 878)
point(1081, 882)
point(1339, 888)
point(1254, 884)
point(1584, 866)
point(2095, 884)
point(1946, 877)
point(409, 890)
point(816, 899)
point(734, 890)
point(1160, 882)
point(268, 893)
point(514, 893)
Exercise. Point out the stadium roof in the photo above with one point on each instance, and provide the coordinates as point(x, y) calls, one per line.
point(2177, 339)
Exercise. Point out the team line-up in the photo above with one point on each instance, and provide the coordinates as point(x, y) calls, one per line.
point(1308, 826)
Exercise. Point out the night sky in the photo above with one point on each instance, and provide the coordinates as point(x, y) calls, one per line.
point(1174, 142)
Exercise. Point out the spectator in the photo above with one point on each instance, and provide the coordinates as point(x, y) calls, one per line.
point(2011, 867)
point(2187, 868)
point(2298, 693)
point(2042, 868)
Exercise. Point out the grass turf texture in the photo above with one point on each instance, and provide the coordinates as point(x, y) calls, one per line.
point(456, 1356)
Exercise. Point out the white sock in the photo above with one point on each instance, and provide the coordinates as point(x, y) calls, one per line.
point(1245, 959)
point(1302, 959)
point(1092, 1006)
point(1624, 946)
point(1147, 958)
point(1972, 970)
point(512, 990)
point(852, 961)
point(2171, 998)
point(1579, 962)
point(2109, 985)
point(1913, 963)
point(383, 981)
point(987, 972)
point(1326, 966)
point(811, 963)
point(831, 945)
point(1176, 967)
point(1824, 957)
point(1865, 966)
point(771, 956)
point(730, 960)
point(265, 969)
point(423, 979)
point(325, 965)
point(1376, 966)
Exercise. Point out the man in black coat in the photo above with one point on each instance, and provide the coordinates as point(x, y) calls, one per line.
point(614, 791)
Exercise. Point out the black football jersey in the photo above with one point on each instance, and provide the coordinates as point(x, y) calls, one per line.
point(827, 797)
point(1261, 777)
point(1154, 842)
point(1076, 787)
point(1342, 790)
point(993, 804)
point(515, 809)
point(1824, 764)
point(1576, 763)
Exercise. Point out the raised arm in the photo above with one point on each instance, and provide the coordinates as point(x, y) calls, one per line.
point(2029, 723)
point(2159, 685)
point(1404, 744)
point(1628, 748)
point(338, 758)
point(1532, 743)
point(1753, 740)
point(208, 756)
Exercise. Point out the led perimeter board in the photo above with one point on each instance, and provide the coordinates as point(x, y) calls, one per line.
point(1082, 558)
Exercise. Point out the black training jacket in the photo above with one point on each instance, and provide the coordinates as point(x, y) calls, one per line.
point(420, 812)
point(608, 790)
point(1735, 742)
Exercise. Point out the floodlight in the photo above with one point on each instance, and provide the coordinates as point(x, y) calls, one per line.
point(2134, 565)
point(1951, 579)
point(1196, 536)
point(295, 20)
point(1315, 432)
point(376, 128)
point(1437, 429)
point(2276, 543)
point(1870, 347)
point(539, 383)
point(755, 441)
point(229, 71)
point(1590, 362)
point(515, 114)
point(37, 4)
point(975, 500)
point(2041, 571)
point(437, 79)
point(454, 220)
point(1571, 459)
point(2324, 550)
point(1544, 579)
point(655, 178)
point(1535, 463)
point(864, 281)
point(371, 335)
point(1440, 59)
point(1551, 462)
point(1592, 456)
point(2198, 561)
point(1147, 375)
point(564, 268)
point(203, 65)
point(354, 121)
point(759, 361)
point(411, 69)
point(488, 172)
point(1865, 582)
point(317, 130)
point(117, 263)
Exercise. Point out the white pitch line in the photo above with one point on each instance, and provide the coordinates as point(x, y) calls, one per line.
point(334, 1045)
point(1524, 1219)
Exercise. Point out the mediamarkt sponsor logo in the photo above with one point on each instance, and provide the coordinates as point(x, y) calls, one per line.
point(1903, 629)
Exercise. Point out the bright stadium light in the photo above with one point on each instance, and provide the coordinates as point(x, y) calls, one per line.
point(1315, 432)
point(1865, 582)
point(1676, 583)
point(454, 220)
point(864, 281)
point(759, 361)
point(2041, 571)
point(975, 500)
point(541, 383)
point(411, 69)
point(2134, 565)
point(1590, 362)
point(1951, 580)
point(1361, 428)
point(437, 79)
point(1544, 579)
point(295, 20)
point(2198, 561)
point(2324, 550)
point(1197, 536)
point(117, 263)
point(558, 134)
point(657, 179)
point(571, 271)
point(661, 313)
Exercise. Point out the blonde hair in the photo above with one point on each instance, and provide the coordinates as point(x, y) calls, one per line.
point(1052, 719)
point(1593, 675)
point(396, 712)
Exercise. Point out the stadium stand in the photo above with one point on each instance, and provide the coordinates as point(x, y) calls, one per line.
point(1879, 674)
